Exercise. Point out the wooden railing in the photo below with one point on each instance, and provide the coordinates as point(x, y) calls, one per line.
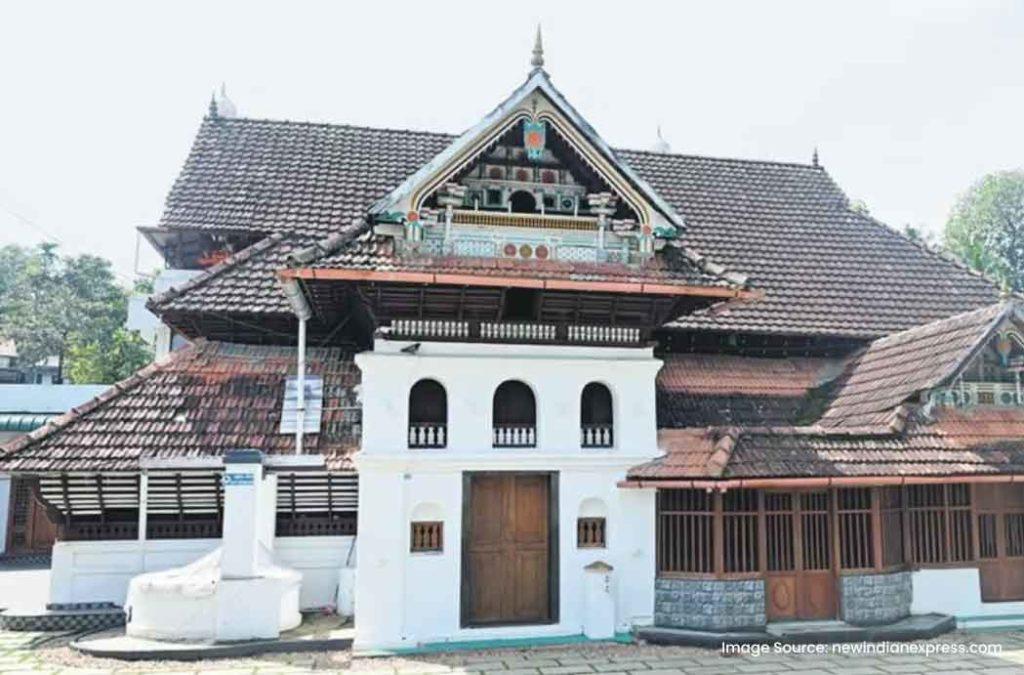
point(511, 331)
point(596, 436)
point(515, 436)
point(530, 220)
point(95, 530)
point(188, 528)
point(319, 525)
point(428, 435)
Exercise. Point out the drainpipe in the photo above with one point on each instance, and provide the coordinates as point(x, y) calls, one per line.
point(300, 307)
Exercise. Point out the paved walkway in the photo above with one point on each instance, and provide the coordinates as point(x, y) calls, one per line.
point(957, 653)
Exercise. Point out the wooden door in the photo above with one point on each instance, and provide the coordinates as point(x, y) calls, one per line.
point(30, 529)
point(800, 581)
point(507, 549)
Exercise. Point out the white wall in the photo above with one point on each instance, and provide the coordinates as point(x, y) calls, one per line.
point(957, 592)
point(402, 598)
point(5, 505)
point(99, 571)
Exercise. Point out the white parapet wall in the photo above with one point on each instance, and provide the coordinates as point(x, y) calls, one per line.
point(99, 571)
point(957, 592)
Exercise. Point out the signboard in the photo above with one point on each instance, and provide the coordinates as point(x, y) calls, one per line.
point(237, 479)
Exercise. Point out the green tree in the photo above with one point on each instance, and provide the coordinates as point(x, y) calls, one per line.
point(69, 307)
point(986, 227)
point(110, 360)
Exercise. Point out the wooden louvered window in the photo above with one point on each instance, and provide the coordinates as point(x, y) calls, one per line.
point(427, 537)
point(316, 503)
point(93, 506)
point(185, 505)
point(590, 532)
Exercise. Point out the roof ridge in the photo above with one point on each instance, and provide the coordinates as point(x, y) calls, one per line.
point(192, 350)
point(452, 136)
point(329, 125)
point(216, 270)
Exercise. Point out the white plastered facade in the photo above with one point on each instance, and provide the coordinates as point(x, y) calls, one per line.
point(406, 599)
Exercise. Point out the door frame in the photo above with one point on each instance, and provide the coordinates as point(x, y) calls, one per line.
point(554, 556)
point(796, 575)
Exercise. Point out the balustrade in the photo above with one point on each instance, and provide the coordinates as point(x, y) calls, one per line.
point(427, 435)
point(515, 436)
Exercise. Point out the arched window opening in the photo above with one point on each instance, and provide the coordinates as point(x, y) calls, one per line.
point(523, 202)
point(515, 416)
point(596, 424)
point(428, 415)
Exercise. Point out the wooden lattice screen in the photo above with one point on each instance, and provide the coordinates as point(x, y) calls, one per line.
point(590, 532)
point(427, 537)
point(316, 503)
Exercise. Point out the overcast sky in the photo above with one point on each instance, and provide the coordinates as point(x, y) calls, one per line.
point(908, 102)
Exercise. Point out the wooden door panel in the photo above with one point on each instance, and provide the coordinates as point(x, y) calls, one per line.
point(531, 594)
point(1001, 580)
point(507, 544)
point(487, 585)
point(780, 600)
point(816, 598)
point(530, 521)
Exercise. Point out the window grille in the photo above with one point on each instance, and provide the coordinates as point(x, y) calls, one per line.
point(427, 537)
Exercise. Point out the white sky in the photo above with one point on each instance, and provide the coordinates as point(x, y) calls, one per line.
point(909, 102)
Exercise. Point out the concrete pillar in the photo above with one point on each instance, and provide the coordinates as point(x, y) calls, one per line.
point(598, 601)
point(5, 504)
point(243, 477)
point(143, 503)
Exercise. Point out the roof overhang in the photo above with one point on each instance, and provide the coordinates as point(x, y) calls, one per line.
point(794, 482)
point(498, 281)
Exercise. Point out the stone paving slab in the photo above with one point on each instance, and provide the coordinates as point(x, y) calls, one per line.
point(46, 653)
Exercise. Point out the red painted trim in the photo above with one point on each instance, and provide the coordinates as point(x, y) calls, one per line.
point(814, 481)
point(517, 282)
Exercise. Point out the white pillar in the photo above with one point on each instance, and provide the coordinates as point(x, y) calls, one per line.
point(243, 475)
point(598, 601)
point(5, 502)
point(143, 503)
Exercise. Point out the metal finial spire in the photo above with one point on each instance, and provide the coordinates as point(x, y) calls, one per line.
point(213, 105)
point(538, 51)
point(814, 157)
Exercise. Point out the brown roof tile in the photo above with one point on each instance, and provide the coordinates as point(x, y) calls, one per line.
point(823, 268)
point(204, 400)
point(895, 368)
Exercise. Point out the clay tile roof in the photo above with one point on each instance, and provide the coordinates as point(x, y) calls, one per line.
point(204, 400)
point(693, 453)
point(823, 268)
point(893, 369)
point(698, 390)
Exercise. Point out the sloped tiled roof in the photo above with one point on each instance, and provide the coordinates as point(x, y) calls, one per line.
point(823, 268)
point(700, 390)
point(893, 369)
point(204, 400)
point(982, 441)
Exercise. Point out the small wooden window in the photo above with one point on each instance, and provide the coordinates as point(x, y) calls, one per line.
point(739, 530)
point(590, 532)
point(427, 537)
point(939, 519)
point(856, 550)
